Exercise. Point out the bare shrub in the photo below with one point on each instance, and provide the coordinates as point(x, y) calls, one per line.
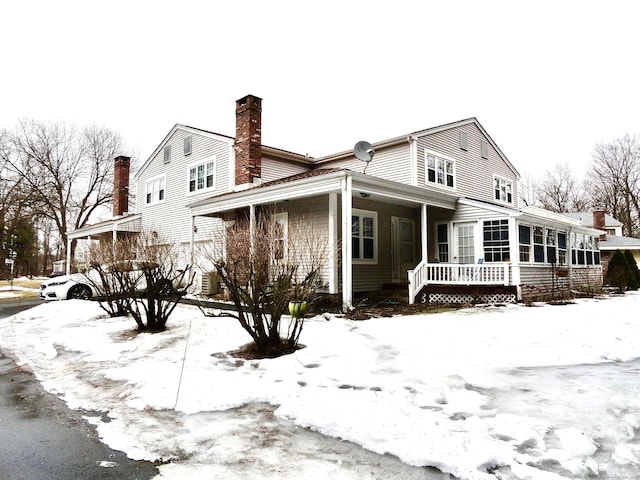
point(141, 276)
point(264, 268)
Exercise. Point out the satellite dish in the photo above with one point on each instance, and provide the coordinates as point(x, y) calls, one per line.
point(364, 151)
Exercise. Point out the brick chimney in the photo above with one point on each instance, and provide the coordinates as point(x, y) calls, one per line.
point(121, 185)
point(599, 222)
point(248, 145)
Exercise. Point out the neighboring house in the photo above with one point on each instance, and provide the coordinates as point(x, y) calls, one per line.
point(613, 239)
point(435, 213)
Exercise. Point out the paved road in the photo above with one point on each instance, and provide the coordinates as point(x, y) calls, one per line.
point(42, 439)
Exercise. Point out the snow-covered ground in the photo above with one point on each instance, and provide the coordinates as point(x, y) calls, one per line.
point(541, 392)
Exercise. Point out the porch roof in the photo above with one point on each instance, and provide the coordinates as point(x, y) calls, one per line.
point(320, 182)
point(125, 223)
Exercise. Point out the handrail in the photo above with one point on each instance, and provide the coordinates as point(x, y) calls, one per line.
point(456, 274)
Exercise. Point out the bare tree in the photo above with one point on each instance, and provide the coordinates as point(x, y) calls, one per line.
point(67, 169)
point(140, 275)
point(561, 192)
point(527, 190)
point(614, 181)
point(264, 269)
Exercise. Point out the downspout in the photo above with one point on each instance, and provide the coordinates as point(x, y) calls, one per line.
point(192, 233)
point(347, 261)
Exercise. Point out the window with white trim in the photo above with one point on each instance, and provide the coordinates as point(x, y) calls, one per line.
point(502, 189)
point(440, 170)
point(548, 244)
point(280, 225)
point(364, 236)
point(496, 240)
point(155, 190)
point(524, 242)
point(202, 175)
point(585, 249)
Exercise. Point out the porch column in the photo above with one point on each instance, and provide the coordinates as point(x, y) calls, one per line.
point(347, 263)
point(424, 228)
point(68, 266)
point(333, 243)
point(514, 253)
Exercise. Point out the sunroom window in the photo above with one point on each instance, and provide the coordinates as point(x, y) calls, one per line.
point(496, 240)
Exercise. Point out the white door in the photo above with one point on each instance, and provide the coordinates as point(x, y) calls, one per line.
point(464, 238)
point(403, 247)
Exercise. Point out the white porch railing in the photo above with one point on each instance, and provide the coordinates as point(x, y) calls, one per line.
point(456, 274)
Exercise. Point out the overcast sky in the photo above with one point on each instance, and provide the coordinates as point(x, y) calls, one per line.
point(547, 79)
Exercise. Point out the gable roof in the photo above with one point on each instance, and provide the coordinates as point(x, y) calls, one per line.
point(420, 133)
point(277, 152)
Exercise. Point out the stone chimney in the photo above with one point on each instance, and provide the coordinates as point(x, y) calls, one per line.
point(121, 185)
point(599, 222)
point(248, 144)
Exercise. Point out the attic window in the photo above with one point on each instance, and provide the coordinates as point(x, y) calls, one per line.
point(484, 149)
point(167, 154)
point(187, 146)
point(463, 141)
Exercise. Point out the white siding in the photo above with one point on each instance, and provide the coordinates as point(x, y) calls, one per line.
point(274, 169)
point(393, 163)
point(171, 218)
point(474, 174)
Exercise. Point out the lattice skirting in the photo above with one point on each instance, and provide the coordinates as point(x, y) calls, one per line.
point(468, 298)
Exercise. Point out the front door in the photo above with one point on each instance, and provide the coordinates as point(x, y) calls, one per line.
point(464, 238)
point(403, 247)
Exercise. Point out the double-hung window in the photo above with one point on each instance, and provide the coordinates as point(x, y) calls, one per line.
point(364, 236)
point(202, 175)
point(502, 189)
point(440, 170)
point(279, 224)
point(154, 190)
point(524, 242)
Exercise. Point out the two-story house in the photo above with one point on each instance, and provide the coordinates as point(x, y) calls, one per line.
point(434, 210)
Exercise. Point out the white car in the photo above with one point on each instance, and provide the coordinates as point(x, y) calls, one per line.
point(77, 285)
point(66, 286)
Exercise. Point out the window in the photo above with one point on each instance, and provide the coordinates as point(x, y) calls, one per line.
point(442, 233)
point(202, 175)
point(484, 149)
point(154, 190)
point(443, 242)
point(551, 246)
point(440, 170)
point(585, 249)
point(463, 141)
point(502, 189)
point(562, 248)
point(279, 222)
point(187, 146)
point(167, 154)
point(538, 244)
point(496, 240)
point(364, 235)
point(524, 240)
